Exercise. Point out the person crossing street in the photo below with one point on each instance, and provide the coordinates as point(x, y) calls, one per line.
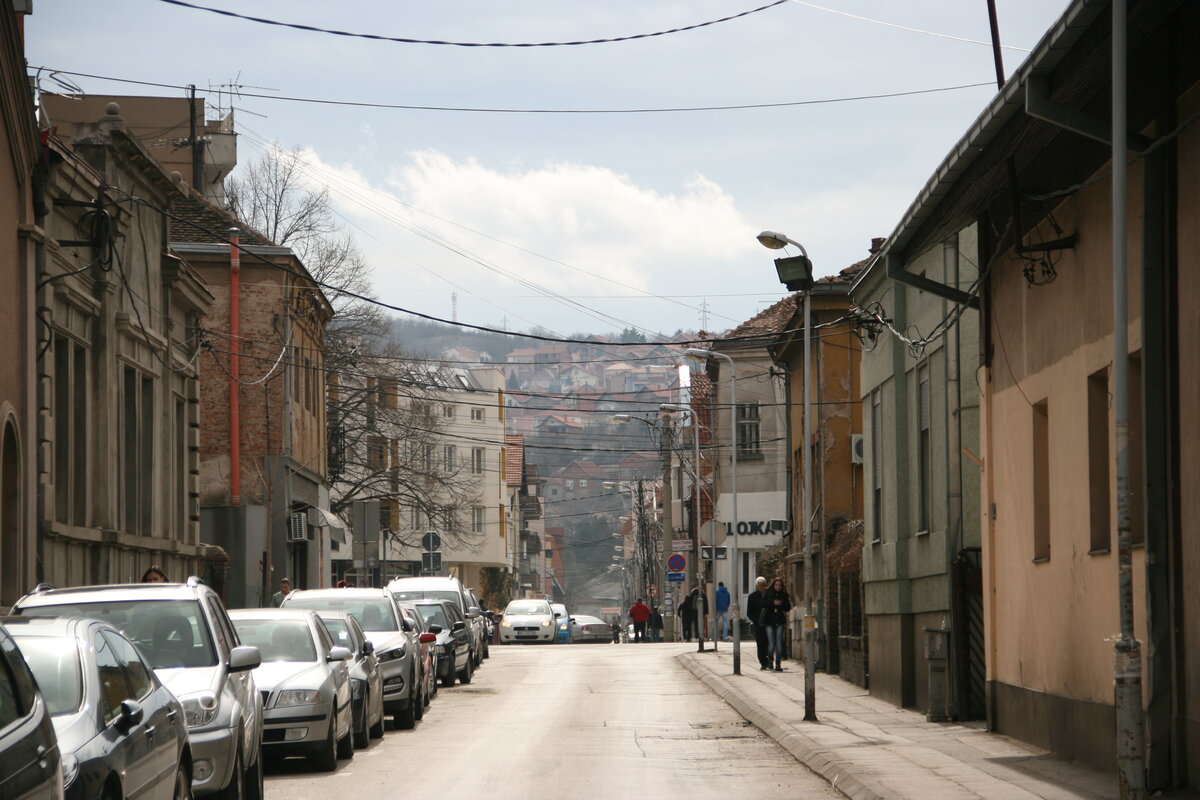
point(639, 612)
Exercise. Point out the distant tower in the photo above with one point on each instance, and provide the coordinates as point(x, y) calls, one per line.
point(454, 306)
point(704, 314)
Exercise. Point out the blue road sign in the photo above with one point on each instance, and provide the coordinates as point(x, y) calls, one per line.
point(674, 577)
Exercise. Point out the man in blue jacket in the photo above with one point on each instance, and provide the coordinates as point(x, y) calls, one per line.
point(722, 611)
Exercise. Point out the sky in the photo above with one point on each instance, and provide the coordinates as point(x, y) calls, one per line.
point(577, 222)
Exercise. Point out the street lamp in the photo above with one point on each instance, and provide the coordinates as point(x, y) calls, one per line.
point(670, 408)
point(700, 354)
point(796, 273)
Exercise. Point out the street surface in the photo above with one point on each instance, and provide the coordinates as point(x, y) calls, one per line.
point(555, 721)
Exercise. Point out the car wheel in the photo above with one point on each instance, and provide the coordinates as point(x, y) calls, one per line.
point(324, 759)
point(362, 737)
point(183, 784)
point(406, 717)
point(345, 745)
point(236, 790)
point(254, 780)
point(418, 702)
point(448, 680)
point(464, 677)
point(376, 731)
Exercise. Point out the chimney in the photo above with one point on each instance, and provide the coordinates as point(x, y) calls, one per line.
point(877, 244)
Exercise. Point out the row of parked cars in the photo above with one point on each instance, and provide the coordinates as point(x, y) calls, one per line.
point(155, 690)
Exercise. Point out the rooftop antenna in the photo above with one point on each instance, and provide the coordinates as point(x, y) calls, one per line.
point(454, 306)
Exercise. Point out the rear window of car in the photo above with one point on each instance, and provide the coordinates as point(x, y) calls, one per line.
point(55, 662)
point(170, 633)
point(434, 615)
point(429, 594)
point(278, 639)
point(373, 614)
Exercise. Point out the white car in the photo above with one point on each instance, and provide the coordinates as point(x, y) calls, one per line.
point(528, 621)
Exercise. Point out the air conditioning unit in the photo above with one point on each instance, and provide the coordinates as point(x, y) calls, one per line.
point(857, 449)
point(297, 527)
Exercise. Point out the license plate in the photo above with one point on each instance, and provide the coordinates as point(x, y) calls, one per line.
point(526, 635)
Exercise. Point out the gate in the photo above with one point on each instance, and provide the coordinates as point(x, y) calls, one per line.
point(970, 672)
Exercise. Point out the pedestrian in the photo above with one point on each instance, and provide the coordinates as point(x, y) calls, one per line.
point(154, 574)
point(656, 624)
point(616, 630)
point(776, 605)
point(285, 588)
point(754, 612)
point(700, 604)
point(687, 615)
point(722, 611)
point(639, 612)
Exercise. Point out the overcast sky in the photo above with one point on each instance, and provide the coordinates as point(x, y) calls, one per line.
point(630, 218)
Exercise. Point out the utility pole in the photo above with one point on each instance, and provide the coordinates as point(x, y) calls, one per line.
point(666, 529)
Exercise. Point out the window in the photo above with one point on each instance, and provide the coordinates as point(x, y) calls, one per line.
point(876, 466)
point(137, 676)
point(376, 452)
point(476, 460)
point(570, 485)
point(1041, 481)
point(747, 430)
point(388, 392)
point(113, 689)
point(10, 699)
point(427, 457)
point(477, 415)
point(71, 385)
point(450, 457)
point(1099, 475)
point(924, 452)
point(583, 484)
point(137, 451)
point(448, 412)
point(478, 519)
point(414, 519)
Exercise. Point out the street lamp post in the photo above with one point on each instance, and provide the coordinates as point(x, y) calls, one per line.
point(736, 609)
point(795, 272)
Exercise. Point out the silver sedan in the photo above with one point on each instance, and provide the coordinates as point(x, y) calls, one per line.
point(305, 683)
point(590, 629)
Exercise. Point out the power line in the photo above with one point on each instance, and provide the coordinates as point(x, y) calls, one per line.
point(405, 40)
point(492, 110)
point(907, 28)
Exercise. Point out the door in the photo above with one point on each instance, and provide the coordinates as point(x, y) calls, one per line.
point(131, 750)
point(28, 766)
point(160, 722)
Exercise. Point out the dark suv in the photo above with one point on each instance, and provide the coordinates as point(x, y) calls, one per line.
point(30, 762)
point(184, 633)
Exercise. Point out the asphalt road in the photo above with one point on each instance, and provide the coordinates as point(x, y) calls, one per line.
point(567, 721)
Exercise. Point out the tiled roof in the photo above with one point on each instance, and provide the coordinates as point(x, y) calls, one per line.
point(514, 459)
point(201, 222)
point(769, 321)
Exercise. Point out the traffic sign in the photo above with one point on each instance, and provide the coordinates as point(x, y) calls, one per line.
point(675, 577)
point(706, 553)
point(652, 590)
point(681, 544)
point(431, 562)
point(677, 562)
point(431, 541)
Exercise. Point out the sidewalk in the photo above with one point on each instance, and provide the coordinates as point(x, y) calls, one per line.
point(868, 748)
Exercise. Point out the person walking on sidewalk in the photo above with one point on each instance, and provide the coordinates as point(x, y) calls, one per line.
point(655, 627)
point(687, 615)
point(754, 609)
point(776, 605)
point(639, 612)
point(722, 611)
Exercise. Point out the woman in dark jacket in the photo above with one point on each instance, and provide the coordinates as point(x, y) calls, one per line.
point(775, 607)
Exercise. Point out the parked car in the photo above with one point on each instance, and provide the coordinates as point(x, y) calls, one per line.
point(30, 761)
point(366, 679)
point(184, 632)
point(453, 639)
point(395, 648)
point(527, 620)
point(305, 683)
point(120, 731)
point(450, 589)
point(485, 629)
point(590, 629)
point(562, 623)
point(427, 650)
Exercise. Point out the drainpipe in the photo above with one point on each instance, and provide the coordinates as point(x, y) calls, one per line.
point(235, 414)
point(1127, 666)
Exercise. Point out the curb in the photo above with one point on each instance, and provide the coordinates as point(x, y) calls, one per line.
point(837, 772)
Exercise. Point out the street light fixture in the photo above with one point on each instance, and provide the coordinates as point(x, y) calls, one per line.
point(796, 274)
point(701, 354)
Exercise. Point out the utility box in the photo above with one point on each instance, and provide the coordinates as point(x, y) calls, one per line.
point(937, 652)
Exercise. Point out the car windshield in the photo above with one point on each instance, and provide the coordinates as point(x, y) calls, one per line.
point(54, 662)
point(427, 594)
point(434, 615)
point(372, 613)
point(278, 639)
point(339, 631)
point(170, 633)
point(527, 607)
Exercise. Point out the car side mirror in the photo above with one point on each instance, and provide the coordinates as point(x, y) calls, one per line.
point(131, 714)
point(489, 613)
point(458, 626)
point(572, 620)
point(339, 654)
point(243, 658)
point(428, 638)
point(558, 615)
point(435, 629)
point(472, 612)
point(368, 648)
